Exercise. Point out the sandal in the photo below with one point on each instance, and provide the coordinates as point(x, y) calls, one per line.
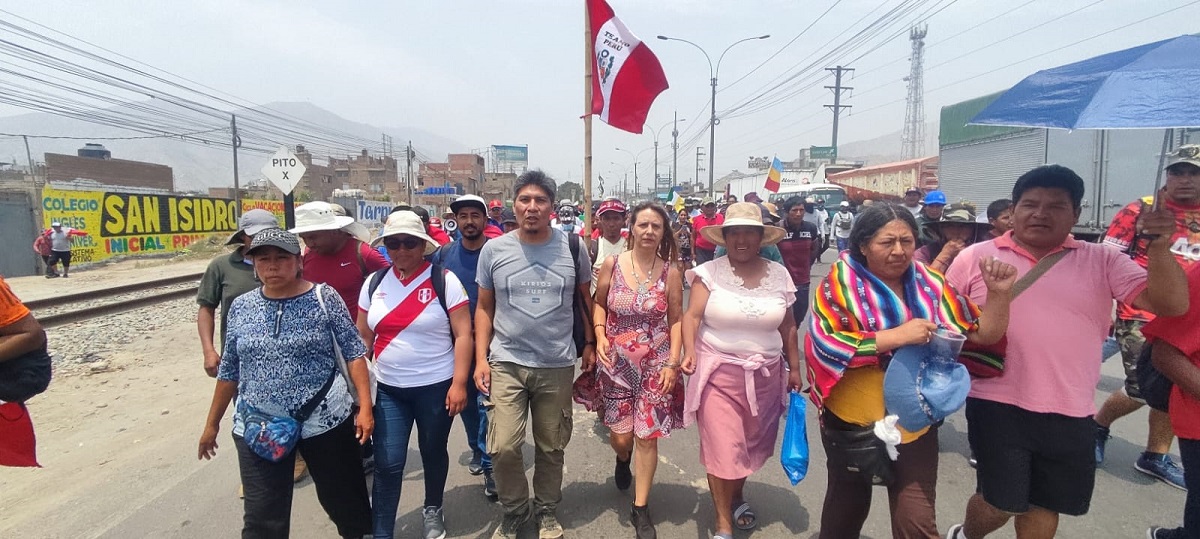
point(741, 510)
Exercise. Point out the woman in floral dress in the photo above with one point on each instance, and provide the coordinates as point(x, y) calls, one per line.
point(639, 396)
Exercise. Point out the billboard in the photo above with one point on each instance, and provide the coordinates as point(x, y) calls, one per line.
point(132, 224)
point(513, 159)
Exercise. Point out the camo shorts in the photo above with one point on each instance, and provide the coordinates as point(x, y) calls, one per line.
point(1129, 336)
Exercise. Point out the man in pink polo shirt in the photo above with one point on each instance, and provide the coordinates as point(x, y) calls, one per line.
point(1031, 428)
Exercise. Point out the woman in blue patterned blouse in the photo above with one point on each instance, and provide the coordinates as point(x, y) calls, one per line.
point(278, 356)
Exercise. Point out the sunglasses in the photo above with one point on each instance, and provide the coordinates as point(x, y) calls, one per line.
point(394, 244)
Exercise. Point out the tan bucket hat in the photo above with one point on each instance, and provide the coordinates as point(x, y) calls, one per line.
point(743, 214)
point(406, 222)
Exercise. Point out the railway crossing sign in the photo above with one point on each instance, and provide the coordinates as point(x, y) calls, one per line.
point(283, 170)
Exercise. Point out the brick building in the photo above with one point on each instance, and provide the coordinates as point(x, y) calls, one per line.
point(498, 185)
point(318, 180)
point(93, 162)
point(462, 171)
point(376, 176)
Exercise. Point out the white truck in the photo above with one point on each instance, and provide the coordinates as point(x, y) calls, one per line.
point(980, 164)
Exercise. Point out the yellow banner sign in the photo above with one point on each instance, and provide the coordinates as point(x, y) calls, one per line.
point(123, 224)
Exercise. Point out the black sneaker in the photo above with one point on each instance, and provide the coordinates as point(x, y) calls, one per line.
point(475, 467)
point(1102, 436)
point(622, 475)
point(489, 485)
point(642, 525)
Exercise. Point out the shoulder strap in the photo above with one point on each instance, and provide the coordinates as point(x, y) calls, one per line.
point(311, 406)
point(1037, 272)
point(437, 274)
point(362, 264)
point(321, 298)
point(377, 278)
point(573, 243)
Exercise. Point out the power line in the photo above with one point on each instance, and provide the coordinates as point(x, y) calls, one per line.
point(170, 135)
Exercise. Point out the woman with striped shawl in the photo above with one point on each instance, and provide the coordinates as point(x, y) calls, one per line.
point(875, 300)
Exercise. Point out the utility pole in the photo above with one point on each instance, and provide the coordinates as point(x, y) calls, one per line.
point(654, 188)
point(409, 157)
point(913, 139)
point(837, 105)
point(237, 189)
point(675, 152)
point(29, 156)
point(699, 156)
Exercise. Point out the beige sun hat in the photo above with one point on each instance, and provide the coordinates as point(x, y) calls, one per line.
point(317, 216)
point(743, 214)
point(406, 222)
point(356, 229)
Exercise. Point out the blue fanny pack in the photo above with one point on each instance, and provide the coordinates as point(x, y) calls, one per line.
point(273, 437)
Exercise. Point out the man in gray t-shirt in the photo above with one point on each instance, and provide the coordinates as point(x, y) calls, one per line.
point(525, 354)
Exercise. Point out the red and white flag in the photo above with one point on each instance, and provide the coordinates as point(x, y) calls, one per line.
point(626, 76)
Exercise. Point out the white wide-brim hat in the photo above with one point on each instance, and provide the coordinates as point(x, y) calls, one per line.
point(743, 214)
point(406, 222)
point(317, 216)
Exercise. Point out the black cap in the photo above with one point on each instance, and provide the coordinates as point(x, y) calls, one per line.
point(274, 237)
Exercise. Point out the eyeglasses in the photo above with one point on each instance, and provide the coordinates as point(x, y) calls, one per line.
point(394, 244)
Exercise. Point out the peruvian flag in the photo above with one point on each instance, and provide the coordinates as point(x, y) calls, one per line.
point(626, 76)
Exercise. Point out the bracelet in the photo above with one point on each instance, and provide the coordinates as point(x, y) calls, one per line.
point(670, 365)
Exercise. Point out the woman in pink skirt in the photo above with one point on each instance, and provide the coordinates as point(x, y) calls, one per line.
point(737, 331)
point(637, 388)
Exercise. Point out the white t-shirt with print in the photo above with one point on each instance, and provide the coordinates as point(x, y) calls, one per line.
point(413, 346)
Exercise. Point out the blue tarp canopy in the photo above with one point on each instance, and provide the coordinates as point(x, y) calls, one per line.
point(1147, 87)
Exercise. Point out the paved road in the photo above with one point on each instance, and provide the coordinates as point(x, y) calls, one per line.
point(173, 495)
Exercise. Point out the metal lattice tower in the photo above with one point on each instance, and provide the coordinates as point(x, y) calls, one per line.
point(913, 139)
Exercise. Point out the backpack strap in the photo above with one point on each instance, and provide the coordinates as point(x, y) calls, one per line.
point(376, 278)
point(437, 277)
point(362, 264)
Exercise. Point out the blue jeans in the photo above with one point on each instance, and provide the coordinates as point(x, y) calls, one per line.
point(396, 410)
point(843, 244)
point(475, 423)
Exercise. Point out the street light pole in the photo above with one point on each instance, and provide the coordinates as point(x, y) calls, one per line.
point(712, 120)
point(656, 133)
point(675, 153)
point(636, 157)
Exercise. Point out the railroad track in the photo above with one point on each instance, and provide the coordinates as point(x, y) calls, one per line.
point(69, 308)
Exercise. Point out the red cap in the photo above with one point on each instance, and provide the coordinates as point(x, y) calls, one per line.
point(611, 205)
point(434, 221)
point(495, 203)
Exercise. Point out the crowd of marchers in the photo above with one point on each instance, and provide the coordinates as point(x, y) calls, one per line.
point(334, 341)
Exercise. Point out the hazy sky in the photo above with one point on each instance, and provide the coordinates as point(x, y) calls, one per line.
point(511, 71)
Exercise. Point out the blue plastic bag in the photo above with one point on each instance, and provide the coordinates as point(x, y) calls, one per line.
point(794, 453)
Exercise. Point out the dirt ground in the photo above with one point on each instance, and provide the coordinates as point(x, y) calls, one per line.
point(100, 436)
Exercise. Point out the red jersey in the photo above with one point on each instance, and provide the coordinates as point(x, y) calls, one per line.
point(698, 223)
point(1185, 243)
point(1180, 332)
point(345, 270)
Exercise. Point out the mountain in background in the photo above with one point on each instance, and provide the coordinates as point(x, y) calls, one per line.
point(197, 167)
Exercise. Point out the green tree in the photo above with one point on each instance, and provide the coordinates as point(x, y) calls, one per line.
point(570, 191)
point(303, 195)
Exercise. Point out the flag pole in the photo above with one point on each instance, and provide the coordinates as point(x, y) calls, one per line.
point(587, 120)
